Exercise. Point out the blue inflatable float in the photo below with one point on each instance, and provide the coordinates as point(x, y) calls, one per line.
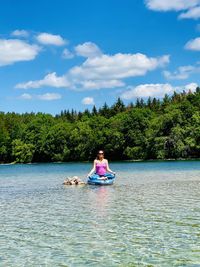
point(95, 179)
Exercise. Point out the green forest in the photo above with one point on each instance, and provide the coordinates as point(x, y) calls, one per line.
point(151, 129)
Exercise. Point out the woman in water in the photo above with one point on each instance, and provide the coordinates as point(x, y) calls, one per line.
point(100, 166)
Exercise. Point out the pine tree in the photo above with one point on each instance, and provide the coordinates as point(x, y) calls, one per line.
point(94, 110)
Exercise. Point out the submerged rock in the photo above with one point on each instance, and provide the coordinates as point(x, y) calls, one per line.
point(75, 180)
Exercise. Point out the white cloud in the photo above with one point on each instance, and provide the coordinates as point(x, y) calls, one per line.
point(26, 96)
point(45, 97)
point(120, 65)
point(88, 49)
point(167, 5)
point(13, 50)
point(193, 13)
point(191, 8)
point(20, 33)
point(50, 39)
point(193, 44)
point(51, 80)
point(182, 73)
point(49, 96)
point(88, 101)
point(99, 84)
point(103, 71)
point(155, 90)
point(190, 87)
point(148, 90)
point(67, 54)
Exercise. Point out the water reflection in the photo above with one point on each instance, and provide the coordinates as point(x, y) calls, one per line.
point(99, 199)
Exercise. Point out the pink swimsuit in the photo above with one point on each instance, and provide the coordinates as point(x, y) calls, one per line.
point(101, 168)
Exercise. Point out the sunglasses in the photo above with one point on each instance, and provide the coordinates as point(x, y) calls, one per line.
point(100, 153)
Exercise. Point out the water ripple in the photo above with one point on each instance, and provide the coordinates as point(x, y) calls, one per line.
point(146, 219)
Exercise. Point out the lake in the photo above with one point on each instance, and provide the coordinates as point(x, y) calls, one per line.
point(149, 217)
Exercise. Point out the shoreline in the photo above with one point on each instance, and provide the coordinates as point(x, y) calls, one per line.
point(114, 161)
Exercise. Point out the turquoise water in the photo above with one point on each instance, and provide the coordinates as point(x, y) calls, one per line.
point(149, 217)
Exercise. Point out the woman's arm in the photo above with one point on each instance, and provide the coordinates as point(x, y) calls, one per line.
point(108, 169)
point(93, 169)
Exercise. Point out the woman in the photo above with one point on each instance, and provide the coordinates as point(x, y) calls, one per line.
point(100, 166)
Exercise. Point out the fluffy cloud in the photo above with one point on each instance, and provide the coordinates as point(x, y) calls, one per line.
point(166, 5)
point(88, 101)
point(147, 90)
point(67, 54)
point(51, 80)
point(49, 96)
point(13, 50)
point(26, 96)
point(108, 71)
point(191, 8)
point(98, 84)
point(193, 13)
point(118, 66)
point(50, 39)
point(193, 44)
point(20, 33)
point(155, 90)
point(88, 49)
point(102, 71)
point(45, 97)
point(189, 87)
point(181, 73)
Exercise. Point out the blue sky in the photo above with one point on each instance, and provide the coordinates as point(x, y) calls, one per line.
point(57, 55)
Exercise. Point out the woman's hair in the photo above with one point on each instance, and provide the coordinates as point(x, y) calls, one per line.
point(100, 151)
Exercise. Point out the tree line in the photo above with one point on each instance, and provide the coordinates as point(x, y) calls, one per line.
point(152, 129)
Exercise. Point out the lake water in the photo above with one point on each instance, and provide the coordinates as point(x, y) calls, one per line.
point(149, 217)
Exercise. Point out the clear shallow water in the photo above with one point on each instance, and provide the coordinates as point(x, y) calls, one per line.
point(149, 217)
